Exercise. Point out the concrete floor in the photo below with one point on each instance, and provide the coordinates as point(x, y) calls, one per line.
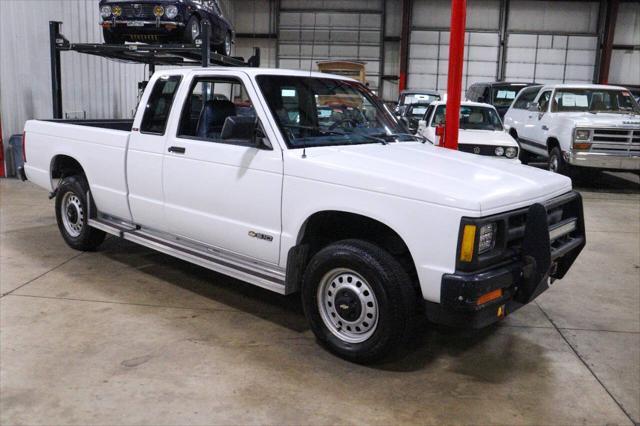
point(129, 336)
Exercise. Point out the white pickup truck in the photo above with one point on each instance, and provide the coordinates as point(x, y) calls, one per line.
point(243, 172)
point(577, 126)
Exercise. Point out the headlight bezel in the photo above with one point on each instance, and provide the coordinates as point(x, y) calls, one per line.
point(171, 11)
point(105, 11)
point(499, 151)
point(582, 135)
point(480, 258)
point(512, 149)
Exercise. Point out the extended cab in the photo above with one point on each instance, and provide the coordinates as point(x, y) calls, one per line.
point(581, 126)
point(239, 171)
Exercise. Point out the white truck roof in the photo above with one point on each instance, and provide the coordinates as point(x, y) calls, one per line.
point(252, 71)
point(582, 86)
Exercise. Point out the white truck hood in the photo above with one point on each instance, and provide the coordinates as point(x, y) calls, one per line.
point(485, 137)
point(602, 119)
point(431, 174)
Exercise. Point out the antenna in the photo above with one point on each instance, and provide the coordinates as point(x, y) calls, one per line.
point(313, 43)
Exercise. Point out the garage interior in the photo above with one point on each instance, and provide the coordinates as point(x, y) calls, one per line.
point(127, 335)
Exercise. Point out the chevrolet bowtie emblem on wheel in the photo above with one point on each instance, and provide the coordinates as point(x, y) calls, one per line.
point(344, 307)
point(258, 235)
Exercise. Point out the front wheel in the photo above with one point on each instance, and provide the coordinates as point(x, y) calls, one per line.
point(72, 215)
point(192, 30)
point(556, 162)
point(359, 301)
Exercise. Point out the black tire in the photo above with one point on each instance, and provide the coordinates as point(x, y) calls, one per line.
point(193, 22)
point(83, 237)
point(225, 47)
point(556, 162)
point(392, 289)
point(111, 38)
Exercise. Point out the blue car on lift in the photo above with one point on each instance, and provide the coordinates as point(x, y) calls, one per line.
point(168, 21)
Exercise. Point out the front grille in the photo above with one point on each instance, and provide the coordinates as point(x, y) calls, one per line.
point(616, 141)
point(560, 210)
point(137, 10)
point(489, 150)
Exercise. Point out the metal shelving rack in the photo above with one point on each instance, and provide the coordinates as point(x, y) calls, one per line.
point(198, 54)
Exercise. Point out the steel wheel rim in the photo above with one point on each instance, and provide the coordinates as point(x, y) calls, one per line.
point(227, 45)
point(72, 214)
point(195, 29)
point(553, 163)
point(354, 325)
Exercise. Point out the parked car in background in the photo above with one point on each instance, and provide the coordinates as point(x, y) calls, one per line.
point(577, 126)
point(415, 96)
point(412, 114)
point(481, 131)
point(177, 21)
point(373, 227)
point(500, 94)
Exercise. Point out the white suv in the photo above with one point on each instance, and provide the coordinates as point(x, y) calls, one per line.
point(594, 126)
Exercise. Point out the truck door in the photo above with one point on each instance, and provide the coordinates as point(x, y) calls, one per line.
point(535, 129)
point(220, 188)
point(145, 152)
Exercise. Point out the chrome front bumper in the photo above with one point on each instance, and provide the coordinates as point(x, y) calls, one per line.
point(603, 161)
point(138, 24)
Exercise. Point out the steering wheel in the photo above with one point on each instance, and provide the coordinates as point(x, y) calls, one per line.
point(354, 123)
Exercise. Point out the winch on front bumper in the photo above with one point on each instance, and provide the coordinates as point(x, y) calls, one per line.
point(534, 246)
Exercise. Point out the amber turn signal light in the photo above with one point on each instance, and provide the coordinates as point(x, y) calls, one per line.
point(488, 297)
point(468, 241)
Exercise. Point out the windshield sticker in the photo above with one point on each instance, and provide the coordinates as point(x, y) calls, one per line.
point(506, 94)
point(582, 101)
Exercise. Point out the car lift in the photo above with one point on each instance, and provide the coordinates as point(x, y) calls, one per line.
point(150, 54)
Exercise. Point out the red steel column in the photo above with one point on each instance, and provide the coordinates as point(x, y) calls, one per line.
point(607, 47)
point(454, 82)
point(404, 43)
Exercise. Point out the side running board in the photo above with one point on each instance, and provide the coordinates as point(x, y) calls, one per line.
point(268, 276)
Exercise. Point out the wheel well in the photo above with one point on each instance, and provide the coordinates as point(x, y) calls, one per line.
point(552, 143)
point(324, 228)
point(63, 166)
point(514, 133)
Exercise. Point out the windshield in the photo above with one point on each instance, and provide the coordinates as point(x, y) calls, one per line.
point(471, 118)
point(503, 96)
point(594, 100)
point(313, 111)
point(415, 98)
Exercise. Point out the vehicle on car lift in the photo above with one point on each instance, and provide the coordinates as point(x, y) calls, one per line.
point(372, 226)
point(178, 21)
point(481, 130)
point(579, 127)
point(500, 94)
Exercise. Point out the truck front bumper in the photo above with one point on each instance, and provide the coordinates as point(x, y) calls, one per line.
point(603, 161)
point(477, 299)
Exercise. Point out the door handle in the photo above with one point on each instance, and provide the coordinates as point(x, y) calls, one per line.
point(177, 149)
point(544, 127)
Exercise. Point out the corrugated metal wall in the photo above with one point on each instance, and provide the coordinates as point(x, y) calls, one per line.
point(625, 64)
point(101, 88)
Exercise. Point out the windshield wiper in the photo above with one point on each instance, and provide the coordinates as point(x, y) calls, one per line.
point(395, 135)
point(336, 132)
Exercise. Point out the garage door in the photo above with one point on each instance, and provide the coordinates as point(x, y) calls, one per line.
point(550, 58)
point(309, 36)
point(429, 56)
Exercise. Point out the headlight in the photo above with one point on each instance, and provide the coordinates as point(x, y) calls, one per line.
point(511, 152)
point(116, 10)
point(499, 151)
point(105, 11)
point(158, 11)
point(171, 12)
point(487, 239)
point(582, 135)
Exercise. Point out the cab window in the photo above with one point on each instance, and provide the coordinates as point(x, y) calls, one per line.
point(158, 106)
point(526, 96)
point(217, 110)
point(543, 101)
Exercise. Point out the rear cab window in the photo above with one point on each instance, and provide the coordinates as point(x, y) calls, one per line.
point(158, 106)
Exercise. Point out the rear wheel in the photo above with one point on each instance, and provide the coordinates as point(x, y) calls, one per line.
point(72, 215)
point(359, 301)
point(225, 47)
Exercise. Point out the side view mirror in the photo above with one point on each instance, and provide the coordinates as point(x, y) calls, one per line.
point(533, 106)
point(244, 128)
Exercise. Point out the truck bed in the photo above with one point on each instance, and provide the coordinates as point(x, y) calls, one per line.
point(99, 145)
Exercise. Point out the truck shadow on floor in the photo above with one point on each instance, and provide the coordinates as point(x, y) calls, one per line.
point(429, 343)
point(598, 181)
